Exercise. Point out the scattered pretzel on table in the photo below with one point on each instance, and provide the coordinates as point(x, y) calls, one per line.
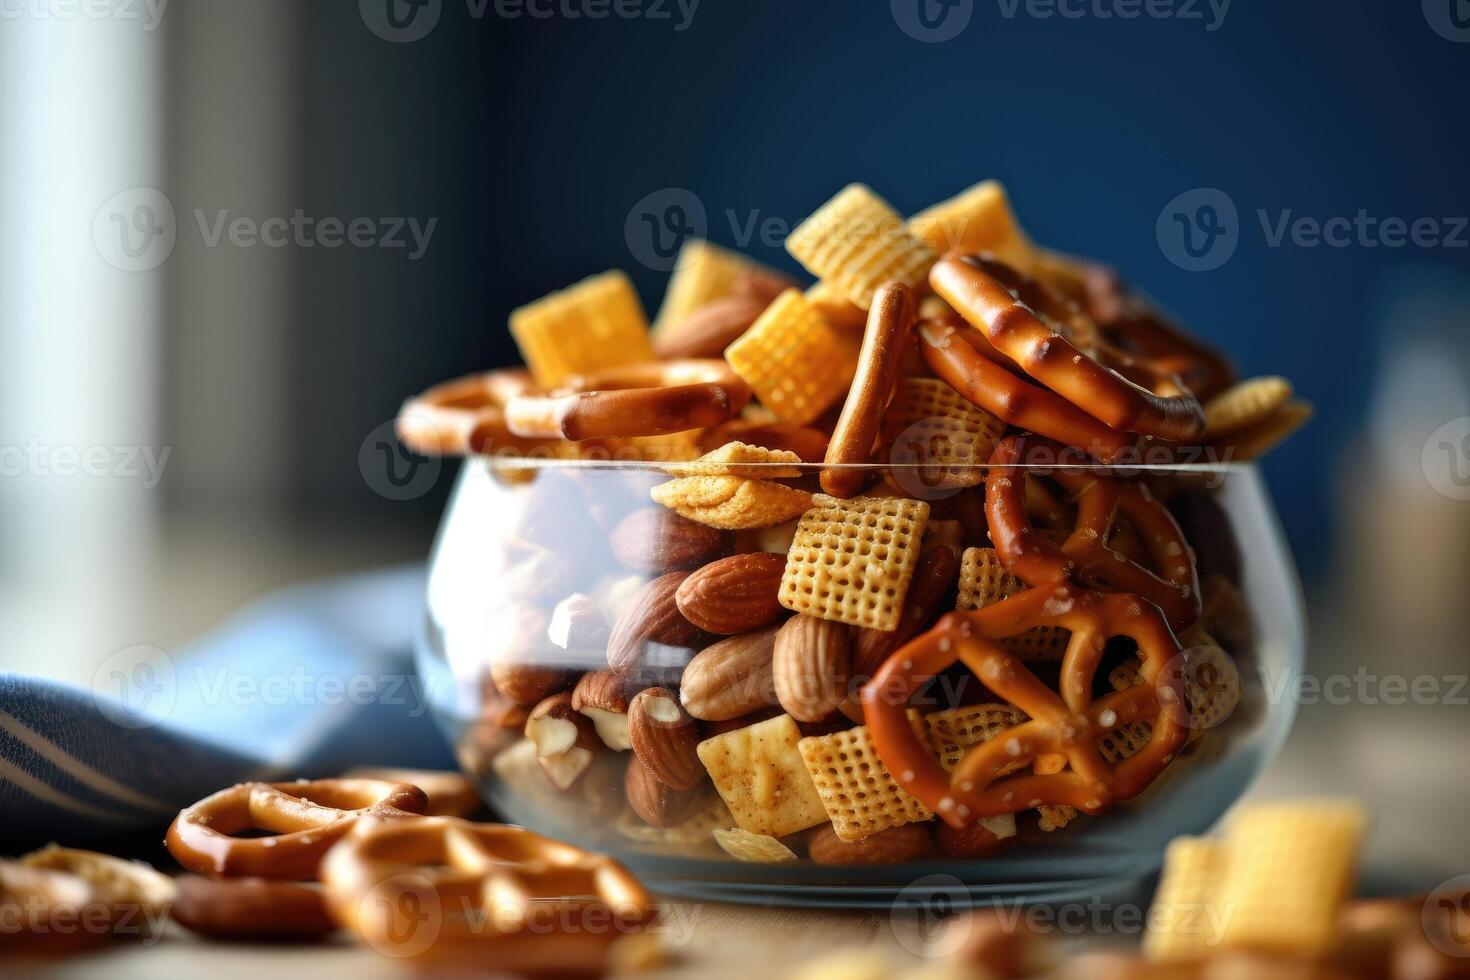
point(446, 888)
point(1068, 721)
point(306, 818)
point(648, 399)
point(1085, 552)
point(1049, 357)
point(886, 340)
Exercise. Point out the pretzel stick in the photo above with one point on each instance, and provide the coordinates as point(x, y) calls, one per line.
point(885, 341)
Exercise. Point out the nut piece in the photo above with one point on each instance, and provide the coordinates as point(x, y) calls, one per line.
point(665, 738)
point(602, 697)
point(516, 667)
point(710, 328)
point(985, 837)
point(656, 802)
point(655, 540)
point(651, 640)
point(810, 665)
point(578, 627)
point(909, 842)
point(730, 678)
point(538, 573)
point(735, 594)
point(556, 727)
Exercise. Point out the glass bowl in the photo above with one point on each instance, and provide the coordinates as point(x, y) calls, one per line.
point(527, 558)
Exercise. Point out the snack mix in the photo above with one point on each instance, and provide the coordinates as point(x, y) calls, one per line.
point(900, 535)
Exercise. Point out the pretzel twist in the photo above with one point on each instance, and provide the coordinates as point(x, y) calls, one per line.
point(649, 399)
point(305, 819)
point(886, 340)
point(986, 782)
point(1051, 358)
point(956, 352)
point(1085, 553)
point(504, 894)
point(463, 415)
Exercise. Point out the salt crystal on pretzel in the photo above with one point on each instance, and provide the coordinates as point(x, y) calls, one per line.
point(857, 242)
point(595, 324)
point(793, 360)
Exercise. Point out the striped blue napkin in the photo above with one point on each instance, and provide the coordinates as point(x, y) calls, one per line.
point(306, 682)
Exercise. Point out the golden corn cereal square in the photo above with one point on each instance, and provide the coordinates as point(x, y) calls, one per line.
point(1245, 404)
point(979, 219)
point(1292, 865)
point(793, 360)
point(856, 242)
point(1125, 741)
point(1183, 921)
point(597, 323)
point(731, 503)
point(954, 731)
point(836, 308)
point(703, 272)
point(851, 561)
point(984, 580)
point(930, 425)
point(760, 774)
point(860, 795)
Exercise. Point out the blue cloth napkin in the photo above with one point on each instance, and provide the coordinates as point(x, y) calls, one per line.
point(306, 682)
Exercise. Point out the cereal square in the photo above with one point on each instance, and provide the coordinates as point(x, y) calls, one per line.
point(597, 323)
point(759, 773)
point(793, 360)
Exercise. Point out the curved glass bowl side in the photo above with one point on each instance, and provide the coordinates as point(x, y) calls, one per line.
point(467, 614)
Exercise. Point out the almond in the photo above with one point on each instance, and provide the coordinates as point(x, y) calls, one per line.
point(518, 668)
point(556, 727)
point(762, 283)
point(734, 595)
point(651, 640)
point(983, 838)
point(707, 330)
point(810, 665)
point(578, 627)
point(896, 845)
point(938, 567)
point(537, 573)
point(603, 697)
point(656, 802)
point(655, 540)
point(664, 738)
point(730, 678)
